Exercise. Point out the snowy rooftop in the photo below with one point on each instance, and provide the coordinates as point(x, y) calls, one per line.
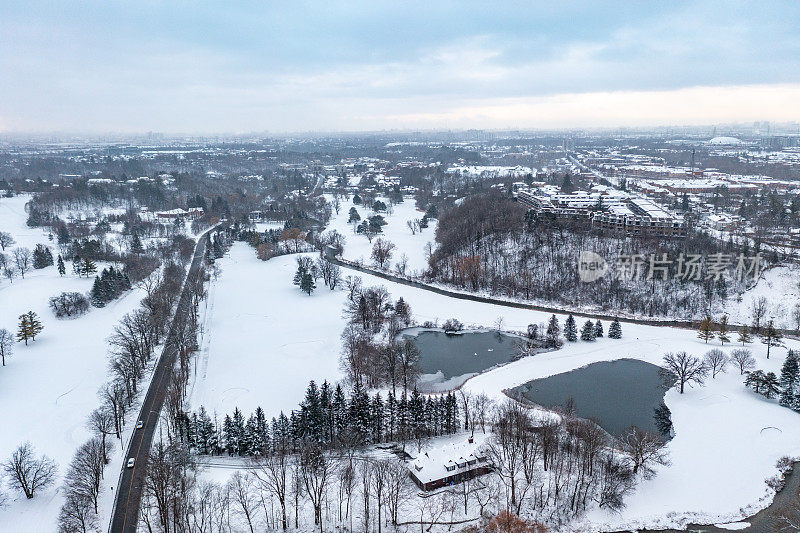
point(453, 458)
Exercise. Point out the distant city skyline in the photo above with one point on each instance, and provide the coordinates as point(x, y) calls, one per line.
point(97, 67)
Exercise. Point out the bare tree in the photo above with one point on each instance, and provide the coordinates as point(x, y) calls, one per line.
point(716, 361)
point(380, 470)
point(77, 515)
point(402, 264)
point(6, 345)
point(382, 252)
point(758, 310)
point(743, 359)
point(316, 469)
point(27, 473)
point(10, 272)
point(86, 471)
point(241, 490)
point(646, 450)
point(796, 317)
point(683, 368)
point(101, 422)
point(480, 410)
point(6, 240)
point(22, 258)
point(507, 449)
point(397, 488)
point(113, 398)
point(365, 472)
point(273, 473)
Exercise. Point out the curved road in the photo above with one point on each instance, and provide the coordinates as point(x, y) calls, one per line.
point(129, 494)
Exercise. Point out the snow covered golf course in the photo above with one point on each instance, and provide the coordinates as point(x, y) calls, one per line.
point(49, 388)
point(721, 454)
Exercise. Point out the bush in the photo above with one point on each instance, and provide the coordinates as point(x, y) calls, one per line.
point(69, 304)
point(452, 326)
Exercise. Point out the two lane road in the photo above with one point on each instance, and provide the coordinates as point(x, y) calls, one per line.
point(129, 493)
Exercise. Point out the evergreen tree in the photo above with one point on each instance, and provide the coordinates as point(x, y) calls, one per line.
point(354, 217)
point(598, 328)
point(307, 284)
point(301, 272)
point(205, 432)
point(249, 437)
point(228, 435)
point(391, 415)
point(416, 409)
point(615, 330)
point(99, 293)
point(771, 386)
point(42, 257)
point(403, 311)
point(281, 434)
point(339, 414)
point(755, 380)
point(376, 413)
point(744, 335)
point(706, 329)
point(87, 267)
point(723, 329)
point(553, 332)
point(570, 329)
point(312, 417)
point(29, 327)
point(663, 419)
point(587, 332)
point(136, 245)
point(790, 372)
point(359, 413)
point(771, 336)
point(325, 399)
point(261, 435)
point(63, 234)
point(61, 268)
point(237, 434)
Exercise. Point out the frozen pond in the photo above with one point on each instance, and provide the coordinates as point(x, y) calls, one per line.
point(449, 360)
point(616, 394)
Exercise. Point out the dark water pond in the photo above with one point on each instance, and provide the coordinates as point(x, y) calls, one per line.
point(617, 394)
point(449, 360)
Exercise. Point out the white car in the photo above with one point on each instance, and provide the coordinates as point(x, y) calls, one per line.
point(131, 461)
point(139, 424)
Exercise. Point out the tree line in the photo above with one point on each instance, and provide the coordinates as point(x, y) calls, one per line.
point(132, 346)
point(329, 417)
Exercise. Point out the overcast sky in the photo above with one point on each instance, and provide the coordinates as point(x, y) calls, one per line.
point(234, 67)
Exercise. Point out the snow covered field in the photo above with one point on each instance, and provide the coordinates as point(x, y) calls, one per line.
point(358, 248)
point(264, 339)
point(49, 388)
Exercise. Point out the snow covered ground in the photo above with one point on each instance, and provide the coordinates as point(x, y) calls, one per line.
point(49, 388)
point(358, 248)
point(264, 339)
point(780, 286)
